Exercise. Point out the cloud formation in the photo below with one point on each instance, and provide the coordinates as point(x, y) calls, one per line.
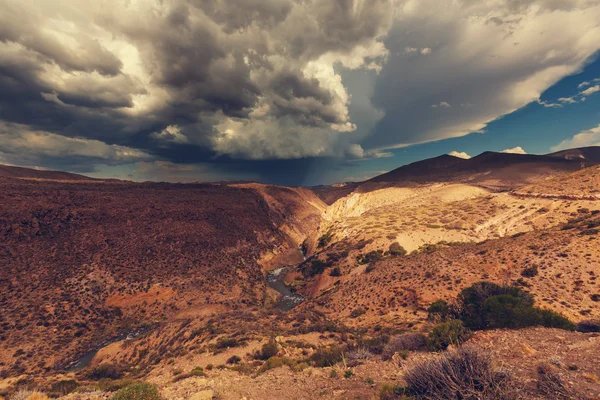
point(217, 81)
point(590, 137)
point(489, 58)
point(514, 150)
point(459, 154)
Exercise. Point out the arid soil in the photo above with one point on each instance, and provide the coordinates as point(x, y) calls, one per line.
point(83, 262)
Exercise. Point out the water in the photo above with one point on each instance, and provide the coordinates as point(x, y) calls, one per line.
point(276, 280)
point(288, 299)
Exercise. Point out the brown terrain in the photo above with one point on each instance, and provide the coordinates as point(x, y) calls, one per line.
point(169, 279)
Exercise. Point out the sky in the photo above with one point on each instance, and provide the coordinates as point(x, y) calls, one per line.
point(291, 92)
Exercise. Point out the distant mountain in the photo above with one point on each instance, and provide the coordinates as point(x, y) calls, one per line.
point(7, 171)
point(584, 153)
point(501, 171)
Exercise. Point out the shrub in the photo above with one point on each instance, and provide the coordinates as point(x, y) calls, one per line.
point(439, 310)
point(137, 391)
point(269, 350)
point(234, 360)
point(486, 305)
point(348, 374)
point(588, 326)
point(447, 333)
point(64, 387)
point(327, 357)
point(550, 385)
point(396, 249)
point(406, 341)
point(360, 353)
point(530, 272)
point(390, 392)
point(464, 374)
point(29, 395)
point(106, 370)
point(335, 272)
point(471, 301)
point(357, 312)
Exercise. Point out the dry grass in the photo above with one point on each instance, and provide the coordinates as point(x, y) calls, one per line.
point(465, 374)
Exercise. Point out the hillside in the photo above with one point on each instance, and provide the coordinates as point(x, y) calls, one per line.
point(169, 281)
point(81, 262)
point(496, 171)
point(7, 171)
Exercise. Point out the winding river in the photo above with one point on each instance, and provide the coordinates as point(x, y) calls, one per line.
point(276, 280)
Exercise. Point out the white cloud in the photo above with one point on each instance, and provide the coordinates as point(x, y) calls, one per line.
point(591, 90)
point(548, 104)
point(523, 54)
point(515, 150)
point(568, 100)
point(590, 137)
point(172, 133)
point(459, 154)
point(442, 104)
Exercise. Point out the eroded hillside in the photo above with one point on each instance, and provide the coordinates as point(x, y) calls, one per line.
point(81, 262)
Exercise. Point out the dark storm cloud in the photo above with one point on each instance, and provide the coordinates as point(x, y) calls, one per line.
point(221, 81)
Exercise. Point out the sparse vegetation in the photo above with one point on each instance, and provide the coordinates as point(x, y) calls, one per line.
point(448, 333)
point(404, 342)
point(464, 374)
point(137, 391)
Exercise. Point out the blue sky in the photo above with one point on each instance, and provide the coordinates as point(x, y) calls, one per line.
point(535, 128)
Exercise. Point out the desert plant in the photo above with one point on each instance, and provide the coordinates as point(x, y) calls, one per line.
point(29, 395)
point(396, 249)
point(464, 374)
point(65, 387)
point(486, 305)
point(327, 356)
point(530, 272)
point(439, 310)
point(550, 385)
point(447, 333)
point(588, 326)
point(406, 341)
point(269, 350)
point(106, 370)
point(234, 360)
point(137, 391)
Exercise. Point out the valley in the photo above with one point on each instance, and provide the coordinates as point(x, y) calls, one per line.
point(224, 304)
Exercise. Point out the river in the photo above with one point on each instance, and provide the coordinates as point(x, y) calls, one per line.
point(276, 280)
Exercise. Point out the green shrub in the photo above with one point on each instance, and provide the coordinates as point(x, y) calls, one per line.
point(439, 310)
point(471, 301)
point(348, 374)
point(530, 272)
point(396, 249)
point(234, 360)
point(269, 350)
point(106, 370)
point(137, 391)
point(486, 305)
point(447, 333)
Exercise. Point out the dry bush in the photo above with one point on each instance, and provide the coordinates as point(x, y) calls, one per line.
point(406, 341)
point(360, 353)
point(464, 374)
point(550, 385)
point(29, 395)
